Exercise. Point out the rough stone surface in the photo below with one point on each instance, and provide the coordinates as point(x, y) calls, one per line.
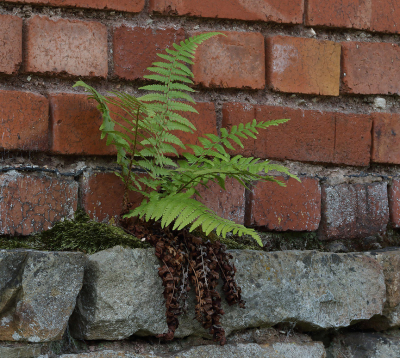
point(315, 290)
point(339, 13)
point(365, 345)
point(370, 68)
point(309, 136)
point(32, 203)
point(24, 120)
point(10, 43)
point(295, 207)
point(236, 60)
point(70, 47)
point(389, 259)
point(285, 11)
point(119, 5)
point(109, 354)
point(8, 350)
point(351, 211)
point(37, 293)
point(385, 145)
point(303, 65)
point(276, 350)
point(135, 49)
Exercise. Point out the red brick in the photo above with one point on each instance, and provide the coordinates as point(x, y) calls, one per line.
point(394, 203)
point(24, 120)
point(339, 13)
point(33, 203)
point(370, 68)
point(385, 144)
point(10, 43)
point(75, 123)
point(229, 203)
point(294, 207)
point(236, 60)
point(385, 16)
point(303, 65)
point(70, 47)
point(102, 196)
point(283, 11)
point(119, 5)
point(135, 49)
point(352, 211)
point(205, 123)
point(309, 136)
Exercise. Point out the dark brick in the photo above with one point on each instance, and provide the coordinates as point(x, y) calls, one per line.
point(354, 211)
point(33, 203)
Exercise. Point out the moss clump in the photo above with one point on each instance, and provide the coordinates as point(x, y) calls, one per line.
point(79, 234)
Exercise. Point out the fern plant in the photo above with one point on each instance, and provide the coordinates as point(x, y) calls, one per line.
point(142, 129)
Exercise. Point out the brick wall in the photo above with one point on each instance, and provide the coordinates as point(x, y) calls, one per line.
point(332, 67)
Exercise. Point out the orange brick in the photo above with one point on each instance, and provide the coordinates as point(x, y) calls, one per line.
point(294, 207)
point(70, 47)
point(385, 144)
point(309, 136)
point(236, 60)
point(285, 11)
point(353, 211)
point(370, 68)
point(135, 49)
point(24, 121)
point(102, 196)
point(119, 5)
point(205, 123)
point(303, 65)
point(339, 13)
point(10, 43)
point(33, 203)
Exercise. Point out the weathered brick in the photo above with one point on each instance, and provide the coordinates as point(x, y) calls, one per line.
point(102, 196)
point(339, 13)
point(32, 203)
point(394, 203)
point(385, 144)
point(309, 136)
point(351, 211)
point(75, 123)
point(119, 5)
point(229, 203)
point(10, 43)
point(236, 60)
point(303, 65)
point(205, 122)
point(370, 68)
point(294, 207)
point(24, 121)
point(385, 16)
point(135, 49)
point(71, 47)
point(284, 11)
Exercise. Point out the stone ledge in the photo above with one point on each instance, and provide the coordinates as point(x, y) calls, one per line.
point(122, 294)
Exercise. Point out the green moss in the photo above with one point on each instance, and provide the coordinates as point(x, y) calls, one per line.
point(79, 234)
